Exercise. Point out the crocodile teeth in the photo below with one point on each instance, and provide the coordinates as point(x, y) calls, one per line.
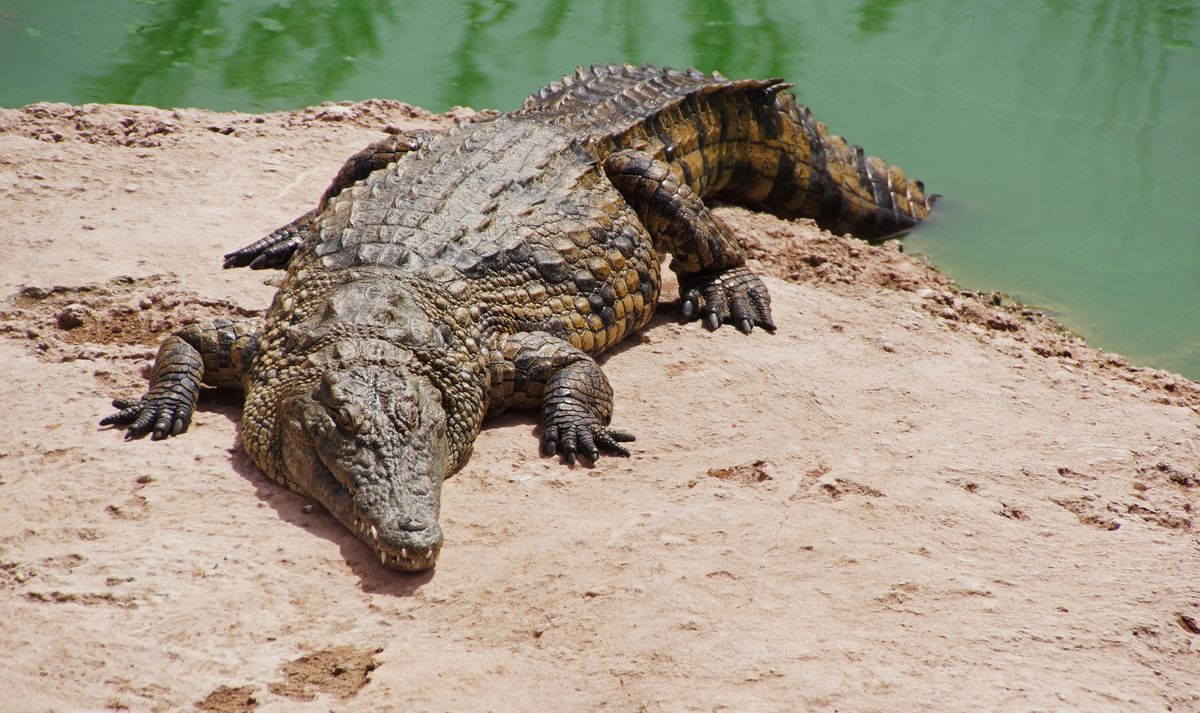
point(382, 558)
point(404, 552)
point(374, 533)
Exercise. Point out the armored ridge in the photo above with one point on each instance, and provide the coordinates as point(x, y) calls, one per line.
point(445, 278)
point(742, 141)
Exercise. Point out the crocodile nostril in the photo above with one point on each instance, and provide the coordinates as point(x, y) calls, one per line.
point(412, 524)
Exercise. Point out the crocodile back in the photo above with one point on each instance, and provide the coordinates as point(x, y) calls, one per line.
point(513, 219)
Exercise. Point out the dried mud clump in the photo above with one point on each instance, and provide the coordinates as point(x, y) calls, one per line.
point(746, 473)
point(123, 318)
point(93, 124)
point(374, 114)
point(229, 700)
point(340, 671)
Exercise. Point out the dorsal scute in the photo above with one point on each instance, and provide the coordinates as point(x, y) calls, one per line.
point(584, 85)
point(608, 95)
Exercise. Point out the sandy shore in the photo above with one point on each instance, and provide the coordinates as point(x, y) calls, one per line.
point(909, 498)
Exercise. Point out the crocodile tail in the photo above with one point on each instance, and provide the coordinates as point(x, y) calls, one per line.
point(744, 141)
point(801, 170)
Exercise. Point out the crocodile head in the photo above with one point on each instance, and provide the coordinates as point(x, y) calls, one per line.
point(369, 443)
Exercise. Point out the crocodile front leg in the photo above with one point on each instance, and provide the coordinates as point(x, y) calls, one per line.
point(217, 353)
point(714, 282)
point(532, 369)
point(276, 249)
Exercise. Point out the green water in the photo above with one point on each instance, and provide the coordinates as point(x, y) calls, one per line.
point(1063, 133)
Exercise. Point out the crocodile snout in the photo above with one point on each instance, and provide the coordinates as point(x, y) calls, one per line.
point(408, 543)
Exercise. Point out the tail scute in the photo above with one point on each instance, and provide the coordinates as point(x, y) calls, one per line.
point(746, 141)
point(844, 189)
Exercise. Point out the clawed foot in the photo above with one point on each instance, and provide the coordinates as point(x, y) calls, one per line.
point(275, 250)
point(736, 296)
point(161, 417)
point(573, 430)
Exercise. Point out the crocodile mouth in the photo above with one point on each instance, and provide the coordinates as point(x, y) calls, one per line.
point(403, 548)
point(398, 538)
point(405, 544)
point(401, 542)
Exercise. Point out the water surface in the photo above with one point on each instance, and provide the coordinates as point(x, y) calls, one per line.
point(1062, 132)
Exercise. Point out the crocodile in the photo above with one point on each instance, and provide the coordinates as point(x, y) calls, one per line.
point(446, 277)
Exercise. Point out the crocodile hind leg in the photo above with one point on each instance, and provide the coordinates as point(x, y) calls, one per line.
point(216, 354)
point(276, 249)
point(714, 282)
point(537, 369)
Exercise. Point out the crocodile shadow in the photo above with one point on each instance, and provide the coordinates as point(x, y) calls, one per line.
point(308, 515)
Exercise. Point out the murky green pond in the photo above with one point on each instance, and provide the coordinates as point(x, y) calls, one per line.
point(1065, 134)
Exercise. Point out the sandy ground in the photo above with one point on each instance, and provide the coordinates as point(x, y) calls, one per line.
point(909, 498)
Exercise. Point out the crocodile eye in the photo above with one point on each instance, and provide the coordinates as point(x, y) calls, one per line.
point(348, 417)
point(339, 402)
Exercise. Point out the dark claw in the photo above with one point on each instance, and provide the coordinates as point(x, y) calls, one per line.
point(232, 260)
point(689, 306)
point(125, 415)
point(569, 446)
point(162, 424)
point(140, 417)
point(611, 441)
point(274, 250)
point(617, 450)
point(587, 446)
point(590, 442)
point(736, 296)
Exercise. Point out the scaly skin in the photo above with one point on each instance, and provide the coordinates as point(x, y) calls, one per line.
point(446, 278)
point(276, 249)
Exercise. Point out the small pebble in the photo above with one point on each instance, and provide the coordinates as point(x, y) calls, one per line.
point(334, 113)
point(71, 316)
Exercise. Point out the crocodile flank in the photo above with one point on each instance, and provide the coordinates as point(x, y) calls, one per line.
point(446, 277)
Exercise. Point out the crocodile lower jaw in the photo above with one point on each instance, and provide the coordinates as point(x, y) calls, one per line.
point(408, 559)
